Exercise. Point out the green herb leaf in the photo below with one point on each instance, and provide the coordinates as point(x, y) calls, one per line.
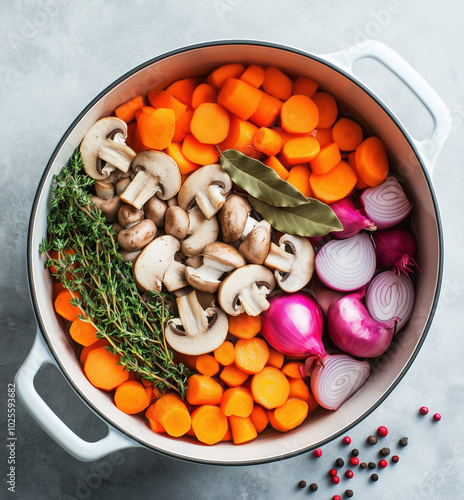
point(312, 218)
point(259, 180)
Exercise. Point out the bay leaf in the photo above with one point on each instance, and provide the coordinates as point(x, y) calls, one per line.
point(312, 218)
point(259, 180)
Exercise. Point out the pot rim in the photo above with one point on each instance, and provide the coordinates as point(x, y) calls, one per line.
point(165, 55)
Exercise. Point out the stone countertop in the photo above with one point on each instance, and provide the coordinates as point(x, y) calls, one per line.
point(56, 56)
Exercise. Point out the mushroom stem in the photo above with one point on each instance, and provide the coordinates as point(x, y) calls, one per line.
point(117, 154)
point(174, 277)
point(279, 259)
point(191, 314)
point(210, 200)
point(141, 189)
point(250, 224)
point(253, 299)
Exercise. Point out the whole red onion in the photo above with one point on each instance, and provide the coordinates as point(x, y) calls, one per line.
point(351, 219)
point(395, 248)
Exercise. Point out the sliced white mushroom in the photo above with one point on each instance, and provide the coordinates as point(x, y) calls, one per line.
point(293, 260)
point(255, 247)
point(150, 266)
point(245, 290)
point(208, 187)
point(218, 259)
point(99, 146)
point(174, 277)
point(156, 173)
point(196, 331)
point(201, 232)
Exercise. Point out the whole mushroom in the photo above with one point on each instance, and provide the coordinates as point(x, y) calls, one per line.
point(176, 222)
point(235, 219)
point(201, 232)
point(137, 236)
point(255, 247)
point(109, 208)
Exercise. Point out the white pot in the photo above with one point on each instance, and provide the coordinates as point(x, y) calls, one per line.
point(414, 160)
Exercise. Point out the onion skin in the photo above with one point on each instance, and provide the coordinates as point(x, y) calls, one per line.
point(351, 219)
point(395, 248)
point(354, 331)
point(293, 325)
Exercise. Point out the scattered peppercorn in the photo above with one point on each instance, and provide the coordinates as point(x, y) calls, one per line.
point(404, 441)
point(313, 487)
point(332, 472)
point(385, 452)
point(372, 440)
point(349, 493)
point(423, 410)
point(336, 497)
point(355, 452)
point(354, 461)
point(363, 465)
point(318, 453)
point(339, 462)
point(374, 477)
point(382, 431)
point(437, 417)
point(371, 465)
point(335, 479)
point(383, 463)
point(349, 474)
point(395, 458)
point(347, 440)
point(302, 484)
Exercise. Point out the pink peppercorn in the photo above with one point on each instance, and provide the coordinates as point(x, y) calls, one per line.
point(423, 410)
point(347, 440)
point(395, 459)
point(336, 497)
point(437, 417)
point(383, 463)
point(349, 474)
point(382, 431)
point(354, 461)
point(318, 453)
point(335, 479)
point(332, 472)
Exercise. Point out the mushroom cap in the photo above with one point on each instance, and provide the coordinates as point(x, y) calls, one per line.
point(201, 232)
point(255, 247)
point(137, 236)
point(155, 209)
point(128, 215)
point(109, 208)
point(176, 222)
point(224, 254)
point(98, 146)
point(233, 217)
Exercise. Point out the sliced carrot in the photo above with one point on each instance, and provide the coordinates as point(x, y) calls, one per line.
point(131, 397)
point(299, 389)
point(244, 326)
point(197, 152)
point(174, 150)
point(63, 305)
point(259, 418)
point(239, 98)
point(227, 435)
point(154, 423)
point(206, 364)
point(126, 112)
point(210, 123)
point(335, 184)
point(268, 141)
point(267, 111)
point(203, 93)
point(304, 86)
point(352, 163)
point(270, 387)
point(233, 376)
point(103, 369)
point(328, 109)
point(209, 424)
point(372, 161)
point(217, 77)
point(326, 160)
point(172, 414)
point(299, 115)
point(157, 128)
point(86, 349)
point(225, 353)
point(242, 429)
point(323, 136)
point(299, 150)
point(299, 177)
point(183, 89)
point(347, 134)
point(133, 139)
point(312, 403)
point(253, 75)
point(237, 401)
point(276, 358)
point(182, 126)
point(202, 390)
point(274, 163)
point(251, 355)
point(291, 414)
point(273, 421)
point(240, 137)
point(83, 332)
point(292, 369)
point(150, 394)
point(277, 83)
point(285, 136)
point(163, 99)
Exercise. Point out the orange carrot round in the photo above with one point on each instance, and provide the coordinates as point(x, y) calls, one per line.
point(83, 332)
point(239, 98)
point(209, 424)
point(242, 429)
point(372, 161)
point(328, 109)
point(127, 111)
point(202, 390)
point(237, 401)
point(157, 128)
point(292, 413)
point(206, 364)
point(352, 163)
point(299, 177)
point(299, 115)
point(267, 111)
point(233, 376)
point(182, 126)
point(172, 414)
point(299, 150)
point(347, 134)
point(64, 307)
point(103, 369)
point(277, 83)
point(251, 355)
point(259, 418)
point(240, 137)
point(244, 326)
point(210, 123)
point(298, 389)
point(217, 77)
point(154, 423)
point(323, 136)
point(183, 89)
point(304, 86)
point(131, 397)
point(225, 353)
point(335, 184)
point(326, 160)
point(274, 163)
point(163, 99)
point(174, 150)
point(270, 387)
point(202, 94)
point(276, 358)
point(268, 141)
point(292, 369)
point(253, 75)
point(86, 349)
point(197, 152)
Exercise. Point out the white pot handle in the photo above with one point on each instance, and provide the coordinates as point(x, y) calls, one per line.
point(430, 147)
point(50, 422)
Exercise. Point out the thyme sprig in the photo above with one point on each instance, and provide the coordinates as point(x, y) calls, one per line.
point(103, 285)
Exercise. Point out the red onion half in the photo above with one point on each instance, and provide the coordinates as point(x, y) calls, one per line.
point(335, 378)
point(348, 264)
point(390, 296)
point(354, 331)
point(395, 247)
point(386, 204)
point(351, 219)
point(293, 325)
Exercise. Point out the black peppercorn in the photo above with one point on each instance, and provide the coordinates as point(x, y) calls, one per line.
point(363, 465)
point(349, 493)
point(372, 465)
point(384, 452)
point(355, 452)
point(302, 484)
point(404, 441)
point(313, 487)
point(374, 477)
point(372, 440)
point(339, 462)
